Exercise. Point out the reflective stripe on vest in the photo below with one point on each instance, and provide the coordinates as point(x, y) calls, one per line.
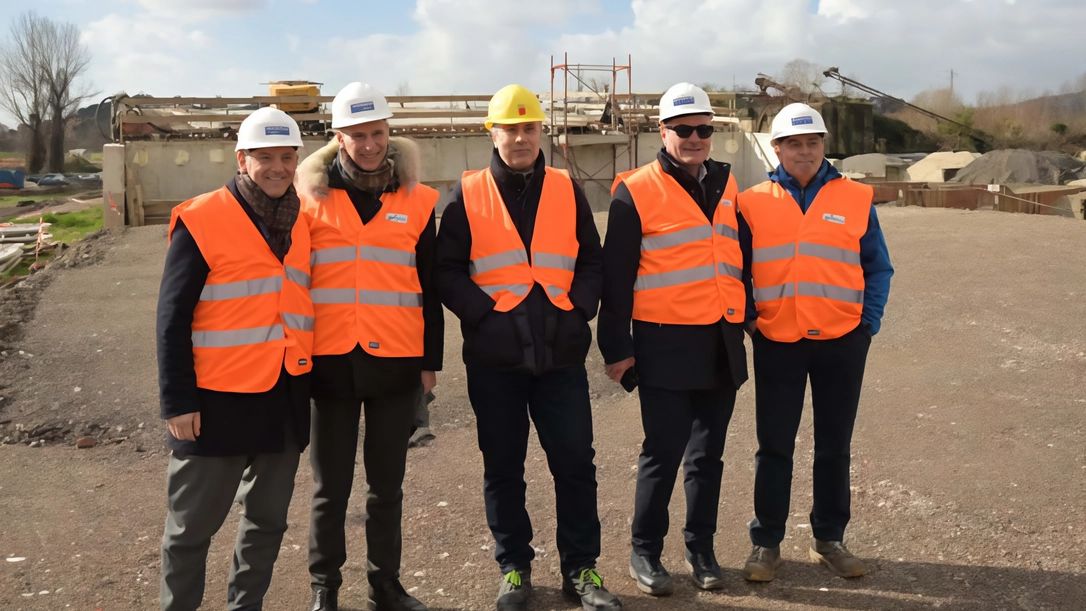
point(806, 268)
point(244, 288)
point(490, 263)
point(297, 276)
point(342, 254)
point(500, 265)
point(241, 337)
point(678, 238)
point(691, 267)
point(365, 284)
point(300, 322)
point(254, 315)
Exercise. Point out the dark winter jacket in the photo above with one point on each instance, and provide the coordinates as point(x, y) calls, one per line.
point(536, 336)
point(231, 424)
point(358, 374)
point(676, 357)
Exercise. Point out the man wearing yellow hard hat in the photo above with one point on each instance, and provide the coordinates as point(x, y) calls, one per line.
point(519, 262)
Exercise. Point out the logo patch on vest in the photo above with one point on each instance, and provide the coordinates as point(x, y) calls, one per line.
point(834, 218)
point(731, 311)
point(683, 101)
point(361, 107)
point(814, 332)
point(375, 345)
point(302, 362)
point(726, 202)
point(402, 218)
point(276, 130)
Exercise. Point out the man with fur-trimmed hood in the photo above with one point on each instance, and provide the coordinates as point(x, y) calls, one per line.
point(378, 335)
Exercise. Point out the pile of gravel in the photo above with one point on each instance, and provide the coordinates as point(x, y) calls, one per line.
point(1011, 166)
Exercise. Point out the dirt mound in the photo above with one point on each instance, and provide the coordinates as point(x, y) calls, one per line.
point(1019, 166)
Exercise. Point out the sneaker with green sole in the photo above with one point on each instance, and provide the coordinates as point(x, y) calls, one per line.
point(587, 586)
point(515, 590)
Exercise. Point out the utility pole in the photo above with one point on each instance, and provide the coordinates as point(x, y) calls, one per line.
point(952, 82)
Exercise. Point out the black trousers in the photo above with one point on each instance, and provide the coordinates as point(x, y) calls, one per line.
point(332, 455)
point(836, 370)
point(686, 427)
point(559, 405)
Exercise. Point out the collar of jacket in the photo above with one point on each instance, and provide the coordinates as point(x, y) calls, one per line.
point(516, 181)
point(685, 180)
point(337, 180)
point(825, 174)
point(314, 173)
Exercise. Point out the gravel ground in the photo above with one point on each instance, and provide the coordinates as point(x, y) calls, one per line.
point(969, 461)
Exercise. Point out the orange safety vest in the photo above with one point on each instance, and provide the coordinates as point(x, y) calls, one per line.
point(254, 316)
point(691, 270)
point(366, 289)
point(499, 261)
point(806, 267)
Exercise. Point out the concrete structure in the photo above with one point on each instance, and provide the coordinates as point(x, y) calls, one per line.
point(144, 179)
point(940, 167)
point(875, 167)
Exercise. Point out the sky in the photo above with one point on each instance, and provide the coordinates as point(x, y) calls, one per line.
point(230, 47)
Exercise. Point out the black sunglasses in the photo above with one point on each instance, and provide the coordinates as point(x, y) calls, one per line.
point(685, 131)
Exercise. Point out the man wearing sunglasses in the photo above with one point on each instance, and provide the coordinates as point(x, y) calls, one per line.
point(673, 266)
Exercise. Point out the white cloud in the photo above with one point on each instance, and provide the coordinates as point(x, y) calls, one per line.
point(477, 46)
point(143, 53)
point(202, 10)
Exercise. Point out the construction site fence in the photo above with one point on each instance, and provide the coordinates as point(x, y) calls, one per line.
point(976, 197)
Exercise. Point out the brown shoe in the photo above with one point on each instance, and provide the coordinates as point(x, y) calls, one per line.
point(762, 564)
point(837, 559)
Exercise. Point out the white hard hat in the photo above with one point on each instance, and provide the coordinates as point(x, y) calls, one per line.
point(358, 103)
point(266, 128)
point(796, 120)
point(684, 99)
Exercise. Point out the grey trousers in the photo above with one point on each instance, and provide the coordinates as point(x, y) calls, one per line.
point(201, 491)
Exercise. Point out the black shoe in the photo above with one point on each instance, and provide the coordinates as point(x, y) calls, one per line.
point(390, 596)
point(651, 576)
point(704, 570)
point(588, 587)
point(515, 590)
point(324, 599)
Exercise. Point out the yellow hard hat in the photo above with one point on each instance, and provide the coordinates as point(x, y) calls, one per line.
point(513, 104)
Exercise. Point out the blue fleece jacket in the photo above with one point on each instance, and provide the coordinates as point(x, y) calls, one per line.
point(874, 257)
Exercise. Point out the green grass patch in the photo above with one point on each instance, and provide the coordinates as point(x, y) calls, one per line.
point(73, 226)
point(8, 201)
point(68, 228)
point(23, 268)
point(9, 155)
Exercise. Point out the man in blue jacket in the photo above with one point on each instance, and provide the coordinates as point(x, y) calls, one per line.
point(817, 285)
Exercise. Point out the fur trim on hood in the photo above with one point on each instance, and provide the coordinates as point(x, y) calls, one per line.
point(311, 179)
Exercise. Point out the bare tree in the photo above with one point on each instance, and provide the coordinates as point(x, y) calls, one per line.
point(403, 89)
point(67, 59)
point(23, 90)
point(805, 75)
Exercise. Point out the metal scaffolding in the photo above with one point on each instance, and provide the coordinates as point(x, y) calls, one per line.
point(614, 119)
